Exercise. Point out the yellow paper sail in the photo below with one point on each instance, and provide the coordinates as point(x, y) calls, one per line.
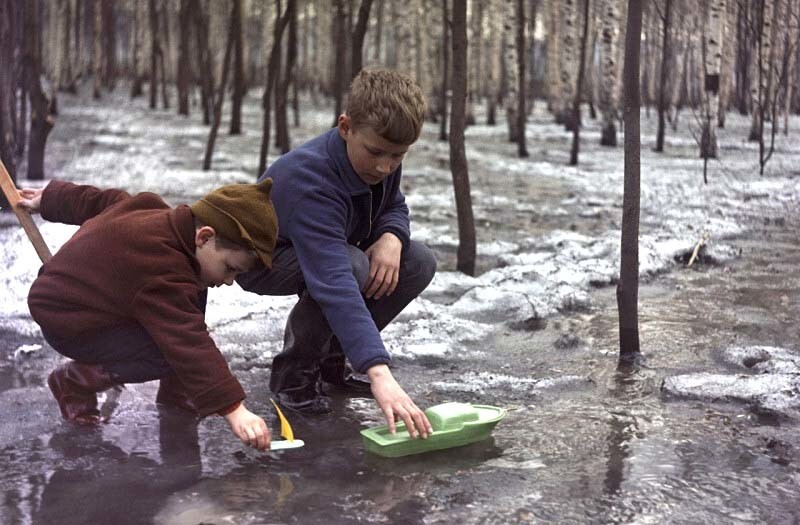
point(286, 428)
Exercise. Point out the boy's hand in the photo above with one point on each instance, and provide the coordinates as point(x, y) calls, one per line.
point(384, 266)
point(250, 428)
point(31, 199)
point(395, 403)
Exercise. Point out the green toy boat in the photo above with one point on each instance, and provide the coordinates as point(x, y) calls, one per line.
point(454, 425)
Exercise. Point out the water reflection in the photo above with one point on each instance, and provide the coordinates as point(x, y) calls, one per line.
point(622, 425)
point(98, 482)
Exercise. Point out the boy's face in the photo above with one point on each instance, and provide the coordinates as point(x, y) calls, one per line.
point(219, 265)
point(373, 157)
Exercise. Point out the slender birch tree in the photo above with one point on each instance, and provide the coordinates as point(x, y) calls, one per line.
point(628, 285)
point(608, 101)
point(576, 106)
point(458, 159)
point(569, 61)
point(714, 49)
point(511, 18)
point(521, 112)
point(42, 114)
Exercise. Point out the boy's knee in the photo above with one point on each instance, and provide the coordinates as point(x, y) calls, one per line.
point(427, 262)
point(360, 264)
point(419, 267)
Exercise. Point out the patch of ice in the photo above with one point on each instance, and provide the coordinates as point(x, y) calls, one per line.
point(777, 392)
point(26, 350)
point(764, 359)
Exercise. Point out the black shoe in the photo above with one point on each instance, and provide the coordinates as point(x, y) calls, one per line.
point(317, 405)
point(352, 385)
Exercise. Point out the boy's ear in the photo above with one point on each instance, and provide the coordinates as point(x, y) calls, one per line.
point(203, 235)
point(344, 125)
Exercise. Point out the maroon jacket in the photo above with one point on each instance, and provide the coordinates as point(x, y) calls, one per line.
point(132, 260)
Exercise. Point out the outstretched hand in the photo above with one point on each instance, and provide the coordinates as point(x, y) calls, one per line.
point(395, 403)
point(31, 199)
point(250, 428)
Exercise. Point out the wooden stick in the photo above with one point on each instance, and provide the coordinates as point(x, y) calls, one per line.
point(31, 230)
point(697, 247)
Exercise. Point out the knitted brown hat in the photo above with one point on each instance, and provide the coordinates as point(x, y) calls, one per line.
point(243, 214)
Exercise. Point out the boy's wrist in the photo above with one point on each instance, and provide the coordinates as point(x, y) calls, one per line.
point(225, 412)
point(378, 371)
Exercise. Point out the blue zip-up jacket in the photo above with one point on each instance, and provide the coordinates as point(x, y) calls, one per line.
point(322, 206)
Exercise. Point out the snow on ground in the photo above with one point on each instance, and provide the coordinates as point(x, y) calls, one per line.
point(764, 377)
point(538, 271)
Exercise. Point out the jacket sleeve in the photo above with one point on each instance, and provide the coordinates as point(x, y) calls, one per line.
point(72, 204)
point(317, 231)
point(167, 308)
point(394, 218)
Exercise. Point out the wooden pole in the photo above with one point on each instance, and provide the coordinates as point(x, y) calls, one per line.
point(32, 231)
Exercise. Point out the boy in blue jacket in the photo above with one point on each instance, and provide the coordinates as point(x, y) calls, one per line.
point(344, 247)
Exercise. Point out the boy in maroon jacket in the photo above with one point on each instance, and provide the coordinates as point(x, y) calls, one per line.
point(125, 296)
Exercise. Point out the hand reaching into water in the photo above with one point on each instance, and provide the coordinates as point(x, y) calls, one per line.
point(395, 403)
point(248, 427)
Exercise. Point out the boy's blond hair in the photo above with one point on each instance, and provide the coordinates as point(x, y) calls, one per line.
point(389, 103)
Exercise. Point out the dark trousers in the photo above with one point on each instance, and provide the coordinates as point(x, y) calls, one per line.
point(310, 349)
point(126, 352)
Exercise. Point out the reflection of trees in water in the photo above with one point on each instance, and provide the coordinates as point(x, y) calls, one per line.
point(19, 502)
point(623, 428)
point(114, 486)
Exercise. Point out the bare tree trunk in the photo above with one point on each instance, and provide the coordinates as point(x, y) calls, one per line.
point(522, 148)
point(445, 72)
point(608, 100)
point(761, 72)
point(474, 70)
point(531, 46)
point(8, 85)
point(554, 94)
point(184, 65)
point(458, 158)
point(714, 48)
point(359, 33)
point(272, 75)
point(792, 36)
point(164, 18)
point(568, 62)
point(109, 45)
point(628, 285)
point(66, 79)
point(511, 19)
point(282, 89)
point(137, 35)
point(576, 106)
point(154, 52)
point(97, 57)
point(42, 115)
point(339, 73)
point(493, 61)
point(726, 75)
point(743, 57)
point(663, 83)
point(376, 57)
point(212, 136)
point(204, 59)
point(21, 87)
point(238, 69)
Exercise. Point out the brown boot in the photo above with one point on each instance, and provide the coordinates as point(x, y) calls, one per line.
point(75, 385)
point(171, 392)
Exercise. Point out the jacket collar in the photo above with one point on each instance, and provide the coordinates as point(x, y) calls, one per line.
point(182, 222)
point(337, 149)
